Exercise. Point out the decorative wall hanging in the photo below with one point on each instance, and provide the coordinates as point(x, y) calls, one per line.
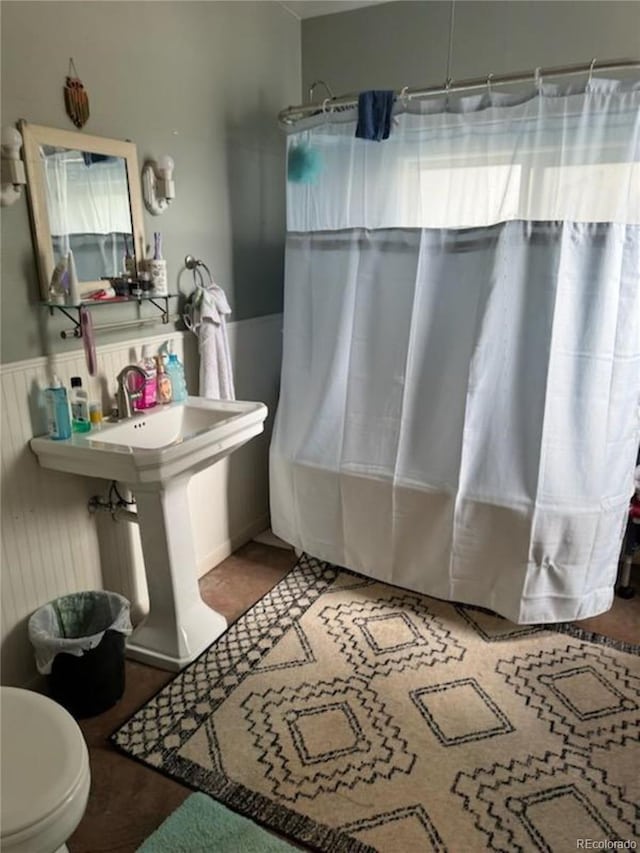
point(76, 100)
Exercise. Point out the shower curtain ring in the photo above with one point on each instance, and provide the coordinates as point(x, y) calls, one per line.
point(324, 105)
point(403, 96)
point(489, 78)
point(591, 66)
point(447, 87)
point(537, 78)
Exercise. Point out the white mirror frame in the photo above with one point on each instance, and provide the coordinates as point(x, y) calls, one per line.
point(34, 136)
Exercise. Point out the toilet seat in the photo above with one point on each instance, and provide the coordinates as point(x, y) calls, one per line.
point(45, 773)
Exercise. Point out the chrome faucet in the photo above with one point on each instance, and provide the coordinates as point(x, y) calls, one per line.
point(124, 395)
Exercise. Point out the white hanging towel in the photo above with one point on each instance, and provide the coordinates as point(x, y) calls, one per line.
point(216, 374)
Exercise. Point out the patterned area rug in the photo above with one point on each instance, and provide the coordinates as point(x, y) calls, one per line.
point(350, 715)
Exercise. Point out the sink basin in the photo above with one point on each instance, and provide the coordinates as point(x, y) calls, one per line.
point(158, 444)
point(155, 454)
point(165, 426)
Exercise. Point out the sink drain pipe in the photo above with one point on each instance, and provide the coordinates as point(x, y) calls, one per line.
point(115, 504)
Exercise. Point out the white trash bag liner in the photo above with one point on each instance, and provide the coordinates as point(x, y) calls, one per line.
point(75, 624)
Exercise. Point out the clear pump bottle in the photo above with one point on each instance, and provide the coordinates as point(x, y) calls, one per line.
point(163, 382)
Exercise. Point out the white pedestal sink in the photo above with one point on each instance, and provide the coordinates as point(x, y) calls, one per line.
point(155, 454)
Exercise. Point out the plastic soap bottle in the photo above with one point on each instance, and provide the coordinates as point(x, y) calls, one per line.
point(163, 382)
point(175, 371)
point(80, 420)
point(95, 415)
point(148, 397)
point(58, 416)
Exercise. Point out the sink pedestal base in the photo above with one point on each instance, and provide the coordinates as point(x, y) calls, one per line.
point(179, 626)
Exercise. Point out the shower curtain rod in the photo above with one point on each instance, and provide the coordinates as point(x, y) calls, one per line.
point(291, 115)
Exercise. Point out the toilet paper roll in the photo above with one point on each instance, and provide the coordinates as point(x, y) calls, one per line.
point(158, 272)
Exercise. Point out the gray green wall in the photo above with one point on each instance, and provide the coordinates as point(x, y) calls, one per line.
point(405, 44)
point(202, 81)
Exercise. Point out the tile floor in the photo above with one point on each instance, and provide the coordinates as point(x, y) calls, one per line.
point(128, 801)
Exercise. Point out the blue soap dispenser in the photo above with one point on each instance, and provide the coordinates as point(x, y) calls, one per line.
point(58, 413)
point(175, 371)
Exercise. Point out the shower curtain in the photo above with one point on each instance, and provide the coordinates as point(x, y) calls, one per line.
point(461, 371)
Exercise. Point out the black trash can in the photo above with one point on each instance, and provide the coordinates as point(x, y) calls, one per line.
point(79, 643)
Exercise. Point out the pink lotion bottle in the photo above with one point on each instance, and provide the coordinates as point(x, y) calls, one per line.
point(149, 390)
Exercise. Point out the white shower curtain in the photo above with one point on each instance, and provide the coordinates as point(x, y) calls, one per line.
point(461, 373)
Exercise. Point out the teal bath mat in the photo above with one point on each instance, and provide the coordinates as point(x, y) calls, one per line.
point(202, 825)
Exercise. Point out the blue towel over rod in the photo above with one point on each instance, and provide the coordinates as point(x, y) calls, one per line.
point(374, 114)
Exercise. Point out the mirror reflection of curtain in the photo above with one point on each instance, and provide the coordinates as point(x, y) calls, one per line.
point(88, 205)
point(459, 395)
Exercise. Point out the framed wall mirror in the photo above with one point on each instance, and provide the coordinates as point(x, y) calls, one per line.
point(84, 196)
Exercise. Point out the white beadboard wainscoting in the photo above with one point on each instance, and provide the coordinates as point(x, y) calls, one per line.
point(51, 545)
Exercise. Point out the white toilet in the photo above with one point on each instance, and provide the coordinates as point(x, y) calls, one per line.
point(45, 773)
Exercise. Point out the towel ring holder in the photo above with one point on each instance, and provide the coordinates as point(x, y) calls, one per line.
point(192, 264)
